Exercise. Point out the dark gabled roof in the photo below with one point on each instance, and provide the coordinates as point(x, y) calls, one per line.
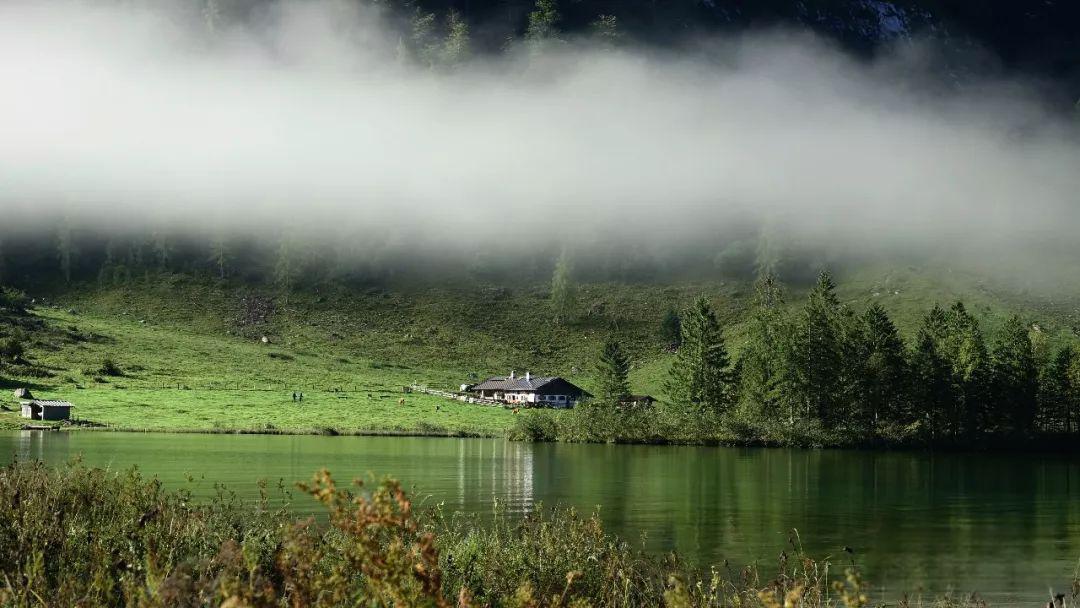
point(520, 383)
point(506, 383)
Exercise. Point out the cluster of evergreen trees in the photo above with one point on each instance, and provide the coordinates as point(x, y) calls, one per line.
point(440, 36)
point(1046, 44)
point(851, 377)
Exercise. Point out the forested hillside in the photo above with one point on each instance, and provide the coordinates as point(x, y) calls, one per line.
point(818, 365)
point(1038, 39)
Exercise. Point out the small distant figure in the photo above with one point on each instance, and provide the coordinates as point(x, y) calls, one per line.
point(517, 409)
point(437, 407)
point(301, 397)
point(401, 401)
point(294, 396)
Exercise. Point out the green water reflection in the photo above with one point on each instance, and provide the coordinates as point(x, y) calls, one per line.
point(1005, 525)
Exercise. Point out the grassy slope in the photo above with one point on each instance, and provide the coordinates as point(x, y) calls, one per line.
point(370, 343)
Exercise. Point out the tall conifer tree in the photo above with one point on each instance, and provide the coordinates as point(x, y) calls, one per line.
point(1059, 393)
point(932, 389)
point(456, 47)
point(882, 394)
point(820, 352)
point(1015, 378)
point(965, 348)
point(543, 25)
point(613, 373)
point(764, 377)
point(701, 373)
point(671, 328)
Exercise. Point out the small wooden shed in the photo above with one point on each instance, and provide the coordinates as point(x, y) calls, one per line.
point(41, 409)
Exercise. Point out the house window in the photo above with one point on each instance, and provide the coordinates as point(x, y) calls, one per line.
point(562, 397)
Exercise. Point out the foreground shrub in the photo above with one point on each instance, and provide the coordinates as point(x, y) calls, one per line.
point(77, 536)
point(109, 367)
point(534, 425)
point(13, 299)
point(550, 554)
point(12, 349)
point(596, 421)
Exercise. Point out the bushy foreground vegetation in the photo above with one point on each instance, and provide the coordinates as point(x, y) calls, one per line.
point(77, 536)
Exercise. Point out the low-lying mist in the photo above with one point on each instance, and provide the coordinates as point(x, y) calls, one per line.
point(310, 120)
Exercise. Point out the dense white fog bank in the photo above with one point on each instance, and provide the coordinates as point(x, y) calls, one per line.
point(308, 116)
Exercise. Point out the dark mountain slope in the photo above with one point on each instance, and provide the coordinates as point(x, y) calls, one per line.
point(1033, 38)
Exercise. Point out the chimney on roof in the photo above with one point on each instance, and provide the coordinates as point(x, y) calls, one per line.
point(528, 376)
point(513, 374)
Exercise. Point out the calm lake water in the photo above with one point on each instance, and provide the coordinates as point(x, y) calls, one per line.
point(1005, 525)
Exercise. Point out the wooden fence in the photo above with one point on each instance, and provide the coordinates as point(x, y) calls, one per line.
point(457, 396)
point(268, 386)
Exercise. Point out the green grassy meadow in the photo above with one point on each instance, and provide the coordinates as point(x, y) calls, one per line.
point(177, 378)
point(192, 355)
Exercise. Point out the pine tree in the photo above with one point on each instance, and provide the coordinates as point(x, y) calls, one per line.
point(671, 328)
point(605, 30)
point(852, 371)
point(543, 25)
point(820, 353)
point(964, 347)
point(764, 377)
point(111, 270)
point(935, 323)
point(163, 250)
point(1015, 378)
point(613, 369)
point(932, 389)
point(220, 255)
point(767, 253)
point(701, 374)
point(1072, 413)
point(402, 52)
point(455, 49)
point(882, 394)
point(1059, 393)
point(424, 44)
point(563, 291)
